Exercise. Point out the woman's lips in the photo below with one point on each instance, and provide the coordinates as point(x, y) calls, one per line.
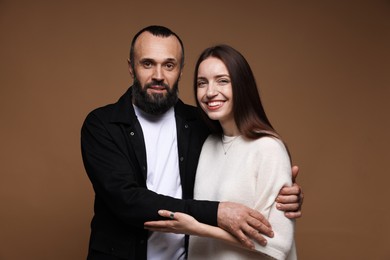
point(214, 105)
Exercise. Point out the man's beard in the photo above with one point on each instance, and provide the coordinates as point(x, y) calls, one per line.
point(155, 103)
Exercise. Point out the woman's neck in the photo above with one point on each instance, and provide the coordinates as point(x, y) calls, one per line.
point(230, 128)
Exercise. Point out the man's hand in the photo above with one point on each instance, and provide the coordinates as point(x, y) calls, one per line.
point(290, 199)
point(243, 223)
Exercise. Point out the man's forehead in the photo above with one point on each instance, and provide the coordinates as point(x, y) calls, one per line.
point(149, 46)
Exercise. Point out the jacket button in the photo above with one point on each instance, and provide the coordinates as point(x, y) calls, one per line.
point(131, 133)
point(181, 158)
point(186, 126)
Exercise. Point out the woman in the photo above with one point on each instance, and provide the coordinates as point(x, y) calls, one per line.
point(243, 161)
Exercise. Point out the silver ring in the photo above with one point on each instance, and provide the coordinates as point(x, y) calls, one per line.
point(172, 215)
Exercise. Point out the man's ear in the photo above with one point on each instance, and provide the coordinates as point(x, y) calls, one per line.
point(130, 68)
point(181, 73)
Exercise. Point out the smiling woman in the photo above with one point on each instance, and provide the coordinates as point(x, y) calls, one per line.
point(249, 165)
point(214, 93)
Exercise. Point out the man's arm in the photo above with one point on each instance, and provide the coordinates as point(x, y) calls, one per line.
point(118, 181)
point(245, 223)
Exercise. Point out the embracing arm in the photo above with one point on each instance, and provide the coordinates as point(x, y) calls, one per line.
point(247, 224)
point(181, 223)
point(274, 172)
point(118, 180)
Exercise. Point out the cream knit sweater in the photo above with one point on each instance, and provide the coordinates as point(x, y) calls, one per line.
point(251, 173)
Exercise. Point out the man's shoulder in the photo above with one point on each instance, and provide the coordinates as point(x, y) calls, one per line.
point(186, 110)
point(116, 112)
point(102, 111)
point(180, 103)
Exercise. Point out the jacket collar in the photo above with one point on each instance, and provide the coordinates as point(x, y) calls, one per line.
point(123, 111)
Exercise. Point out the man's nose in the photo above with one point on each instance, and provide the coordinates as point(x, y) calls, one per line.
point(158, 74)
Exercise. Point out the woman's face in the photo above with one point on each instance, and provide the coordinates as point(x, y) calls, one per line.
point(214, 91)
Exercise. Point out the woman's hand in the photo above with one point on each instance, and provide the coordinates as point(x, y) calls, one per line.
point(179, 223)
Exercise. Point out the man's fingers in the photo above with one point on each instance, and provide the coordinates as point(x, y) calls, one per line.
point(259, 224)
point(288, 199)
point(288, 207)
point(294, 173)
point(288, 190)
point(244, 240)
point(257, 216)
point(244, 223)
point(254, 234)
point(293, 215)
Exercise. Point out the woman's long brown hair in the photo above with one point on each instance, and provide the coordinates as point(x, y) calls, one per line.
point(249, 114)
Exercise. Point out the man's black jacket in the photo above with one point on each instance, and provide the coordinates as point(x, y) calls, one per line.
point(114, 157)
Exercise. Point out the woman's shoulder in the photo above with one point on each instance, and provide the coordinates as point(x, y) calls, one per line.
point(268, 142)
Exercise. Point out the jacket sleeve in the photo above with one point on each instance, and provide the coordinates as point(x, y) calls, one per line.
point(118, 182)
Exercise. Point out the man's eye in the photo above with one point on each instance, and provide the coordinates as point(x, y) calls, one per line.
point(147, 64)
point(170, 66)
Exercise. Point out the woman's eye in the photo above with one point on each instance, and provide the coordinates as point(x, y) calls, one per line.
point(224, 81)
point(201, 84)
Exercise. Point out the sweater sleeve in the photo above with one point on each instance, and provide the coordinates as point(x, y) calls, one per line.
point(274, 171)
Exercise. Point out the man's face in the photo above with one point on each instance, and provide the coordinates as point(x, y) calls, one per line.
point(156, 72)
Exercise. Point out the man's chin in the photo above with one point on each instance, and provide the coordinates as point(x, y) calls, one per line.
point(154, 100)
point(157, 97)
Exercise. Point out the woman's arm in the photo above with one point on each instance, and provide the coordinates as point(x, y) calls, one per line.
point(181, 223)
point(273, 167)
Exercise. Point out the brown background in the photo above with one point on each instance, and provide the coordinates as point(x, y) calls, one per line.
point(322, 66)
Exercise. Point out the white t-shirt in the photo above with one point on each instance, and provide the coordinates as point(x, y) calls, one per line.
point(163, 176)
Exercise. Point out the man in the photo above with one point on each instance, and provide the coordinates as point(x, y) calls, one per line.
point(141, 155)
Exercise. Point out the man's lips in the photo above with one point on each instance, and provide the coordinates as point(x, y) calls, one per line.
point(157, 88)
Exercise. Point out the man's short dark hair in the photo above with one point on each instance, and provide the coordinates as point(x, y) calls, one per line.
point(159, 31)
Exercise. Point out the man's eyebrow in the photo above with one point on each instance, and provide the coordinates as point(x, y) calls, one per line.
point(146, 59)
point(173, 60)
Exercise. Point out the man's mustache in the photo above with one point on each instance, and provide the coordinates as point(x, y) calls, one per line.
point(156, 83)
